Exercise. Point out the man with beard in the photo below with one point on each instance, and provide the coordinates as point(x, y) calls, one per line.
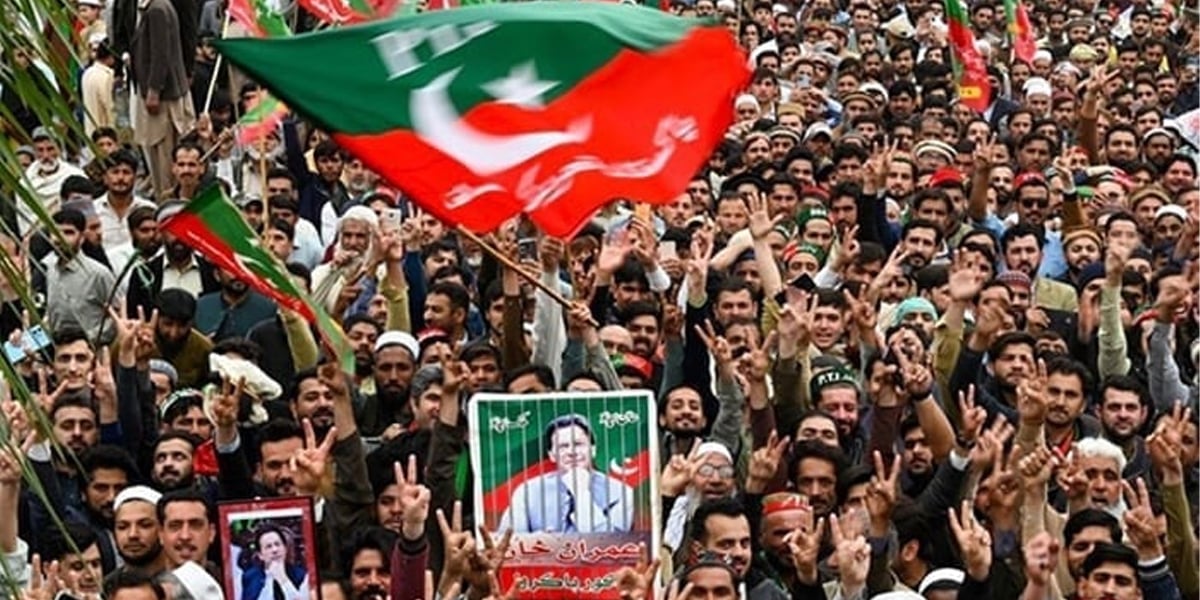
point(1123, 408)
point(1011, 358)
point(142, 244)
point(188, 527)
point(425, 397)
point(1158, 146)
point(1066, 397)
point(835, 392)
point(177, 340)
point(76, 429)
point(312, 399)
point(393, 362)
point(1081, 247)
point(78, 288)
point(107, 470)
point(177, 267)
point(137, 532)
point(45, 176)
point(922, 240)
point(783, 514)
point(120, 171)
point(172, 461)
point(359, 180)
point(721, 526)
point(292, 460)
point(644, 322)
point(681, 418)
point(233, 311)
point(355, 232)
point(377, 569)
point(918, 457)
point(1024, 246)
point(362, 331)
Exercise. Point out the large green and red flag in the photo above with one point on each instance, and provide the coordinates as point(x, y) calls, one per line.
point(973, 88)
point(547, 108)
point(259, 18)
point(1020, 30)
point(211, 225)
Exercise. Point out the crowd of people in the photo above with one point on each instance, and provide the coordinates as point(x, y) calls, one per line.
point(899, 348)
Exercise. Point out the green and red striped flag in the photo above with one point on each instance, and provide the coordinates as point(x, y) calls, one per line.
point(349, 12)
point(263, 117)
point(1020, 30)
point(211, 225)
point(973, 88)
point(259, 18)
point(548, 108)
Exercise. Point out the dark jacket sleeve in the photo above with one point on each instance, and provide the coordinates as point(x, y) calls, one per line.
point(601, 305)
point(253, 580)
point(409, 561)
point(872, 218)
point(446, 447)
point(234, 479)
point(696, 359)
point(129, 410)
point(976, 590)
point(966, 372)
point(885, 429)
point(188, 13)
point(414, 274)
point(353, 498)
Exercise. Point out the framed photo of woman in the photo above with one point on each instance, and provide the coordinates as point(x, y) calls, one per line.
point(269, 549)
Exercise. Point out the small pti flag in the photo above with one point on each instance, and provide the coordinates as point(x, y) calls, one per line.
point(1020, 30)
point(349, 12)
point(263, 117)
point(259, 18)
point(974, 90)
point(546, 108)
point(211, 225)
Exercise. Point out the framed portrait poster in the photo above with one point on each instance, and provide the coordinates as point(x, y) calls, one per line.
point(575, 476)
point(269, 549)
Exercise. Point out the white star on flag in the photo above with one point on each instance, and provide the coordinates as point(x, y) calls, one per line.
point(520, 87)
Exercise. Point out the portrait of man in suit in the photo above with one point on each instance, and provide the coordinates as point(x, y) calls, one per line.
point(575, 497)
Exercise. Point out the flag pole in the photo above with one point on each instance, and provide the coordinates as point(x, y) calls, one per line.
point(221, 138)
point(212, 81)
point(262, 181)
point(509, 263)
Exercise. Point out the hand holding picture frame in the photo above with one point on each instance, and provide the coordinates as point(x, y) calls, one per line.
point(269, 549)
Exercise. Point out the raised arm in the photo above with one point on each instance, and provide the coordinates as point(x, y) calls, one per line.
point(981, 180)
point(761, 225)
point(1089, 112)
point(1112, 359)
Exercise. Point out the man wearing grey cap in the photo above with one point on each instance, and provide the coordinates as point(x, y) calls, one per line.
point(46, 176)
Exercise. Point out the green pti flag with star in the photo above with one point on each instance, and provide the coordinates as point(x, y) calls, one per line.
point(211, 225)
point(547, 108)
